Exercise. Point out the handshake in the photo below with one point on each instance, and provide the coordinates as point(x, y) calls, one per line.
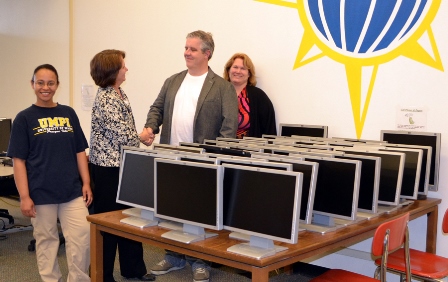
point(147, 136)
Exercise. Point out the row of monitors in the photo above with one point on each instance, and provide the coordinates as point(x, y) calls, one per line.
point(403, 139)
point(322, 181)
point(263, 203)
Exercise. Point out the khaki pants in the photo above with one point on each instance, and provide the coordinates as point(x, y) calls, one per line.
point(76, 230)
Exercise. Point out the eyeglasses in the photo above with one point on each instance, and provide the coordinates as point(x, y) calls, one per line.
point(41, 83)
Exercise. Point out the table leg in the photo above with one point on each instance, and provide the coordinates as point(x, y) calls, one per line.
point(96, 254)
point(260, 275)
point(431, 231)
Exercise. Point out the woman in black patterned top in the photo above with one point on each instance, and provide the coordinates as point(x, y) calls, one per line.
point(113, 127)
point(256, 115)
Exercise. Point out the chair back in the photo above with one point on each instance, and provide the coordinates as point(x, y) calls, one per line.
point(389, 237)
point(445, 222)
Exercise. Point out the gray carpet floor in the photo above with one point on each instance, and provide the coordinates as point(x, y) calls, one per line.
point(19, 264)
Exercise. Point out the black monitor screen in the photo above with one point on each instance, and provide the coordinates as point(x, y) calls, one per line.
point(391, 175)
point(424, 171)
point(253, 163)
point(225, 151)
point(187, 149)
point(369, 171)
point(411, 171)
point(308, 171)
point(337, 187)
point(5, 132)
point(260, 202)
point(303, 130)
point(428, 139)
point(187, 192)
point(136, 184)
point(204, 160)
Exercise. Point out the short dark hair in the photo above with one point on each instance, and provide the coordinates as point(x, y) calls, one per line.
point(47, 67)
point(207, 41)
point(105, 65)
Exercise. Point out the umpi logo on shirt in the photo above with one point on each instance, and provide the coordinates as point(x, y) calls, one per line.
point(53, 125)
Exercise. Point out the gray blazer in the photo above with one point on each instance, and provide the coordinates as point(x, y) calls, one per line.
point(216, 112)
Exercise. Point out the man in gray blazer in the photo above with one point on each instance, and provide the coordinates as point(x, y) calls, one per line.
point(193, 105)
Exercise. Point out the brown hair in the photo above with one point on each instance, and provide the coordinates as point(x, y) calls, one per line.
point(207, 41)
point(105, 65)
point(247, 62)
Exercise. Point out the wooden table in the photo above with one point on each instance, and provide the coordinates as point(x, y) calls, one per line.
point(214, 249)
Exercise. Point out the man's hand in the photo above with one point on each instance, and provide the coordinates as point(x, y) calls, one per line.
point(147, 136)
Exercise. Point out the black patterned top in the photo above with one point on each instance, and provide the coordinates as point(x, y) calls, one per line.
point(113, 126)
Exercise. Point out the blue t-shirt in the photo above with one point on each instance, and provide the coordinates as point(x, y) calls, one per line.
point(48, 139)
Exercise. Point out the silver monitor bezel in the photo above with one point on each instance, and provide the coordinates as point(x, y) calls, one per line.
point(297, 201)
point(324, 127)
point(396, 201)
point(435, 152)
point(354, 207)
point(219, 196)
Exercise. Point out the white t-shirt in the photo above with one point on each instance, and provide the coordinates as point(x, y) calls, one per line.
point(185, 108)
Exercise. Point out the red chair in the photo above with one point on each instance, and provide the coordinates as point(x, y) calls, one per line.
point(425, 266)
point(389, 237)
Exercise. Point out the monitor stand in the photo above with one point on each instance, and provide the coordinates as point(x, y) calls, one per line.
point(171, 225)
point(321, 224)
point(188, 234)
point(346, 222)
point(139, 218)
point(404, 202)
point(257, 248)
point(387, 209)
point(368, 215)
point(239, 236)
point(246, 237)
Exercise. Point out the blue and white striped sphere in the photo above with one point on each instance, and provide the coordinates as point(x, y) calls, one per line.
point(364, 28)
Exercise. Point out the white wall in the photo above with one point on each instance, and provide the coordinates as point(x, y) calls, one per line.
point(31, 33)
point(152, 32)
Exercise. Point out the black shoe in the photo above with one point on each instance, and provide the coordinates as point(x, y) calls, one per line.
point(146, 277)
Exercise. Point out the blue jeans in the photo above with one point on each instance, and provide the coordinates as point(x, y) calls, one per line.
point(179, 260)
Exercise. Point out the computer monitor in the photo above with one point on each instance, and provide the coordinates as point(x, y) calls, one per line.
point(425, 167)
point(199, 158)
point(255, 163)
point(303, 130)
point(189, 193)
point(411, 171)
point(284, 150)
point(310, 171)
point(263, 203)
point(369, 183)
point(391, 175)
point(419, 138)
point(136, 185)
point(246, 148)
point(225, 151)
point(5, 133)
point(227, 139)
point(187, 149)
point(357, 140)
point(337, 190)
point(189, 144)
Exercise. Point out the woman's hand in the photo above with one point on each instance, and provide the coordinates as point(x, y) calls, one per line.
point(27, 207)
point(87, 195)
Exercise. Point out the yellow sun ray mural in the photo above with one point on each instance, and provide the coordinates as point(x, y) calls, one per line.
point(362, 34)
